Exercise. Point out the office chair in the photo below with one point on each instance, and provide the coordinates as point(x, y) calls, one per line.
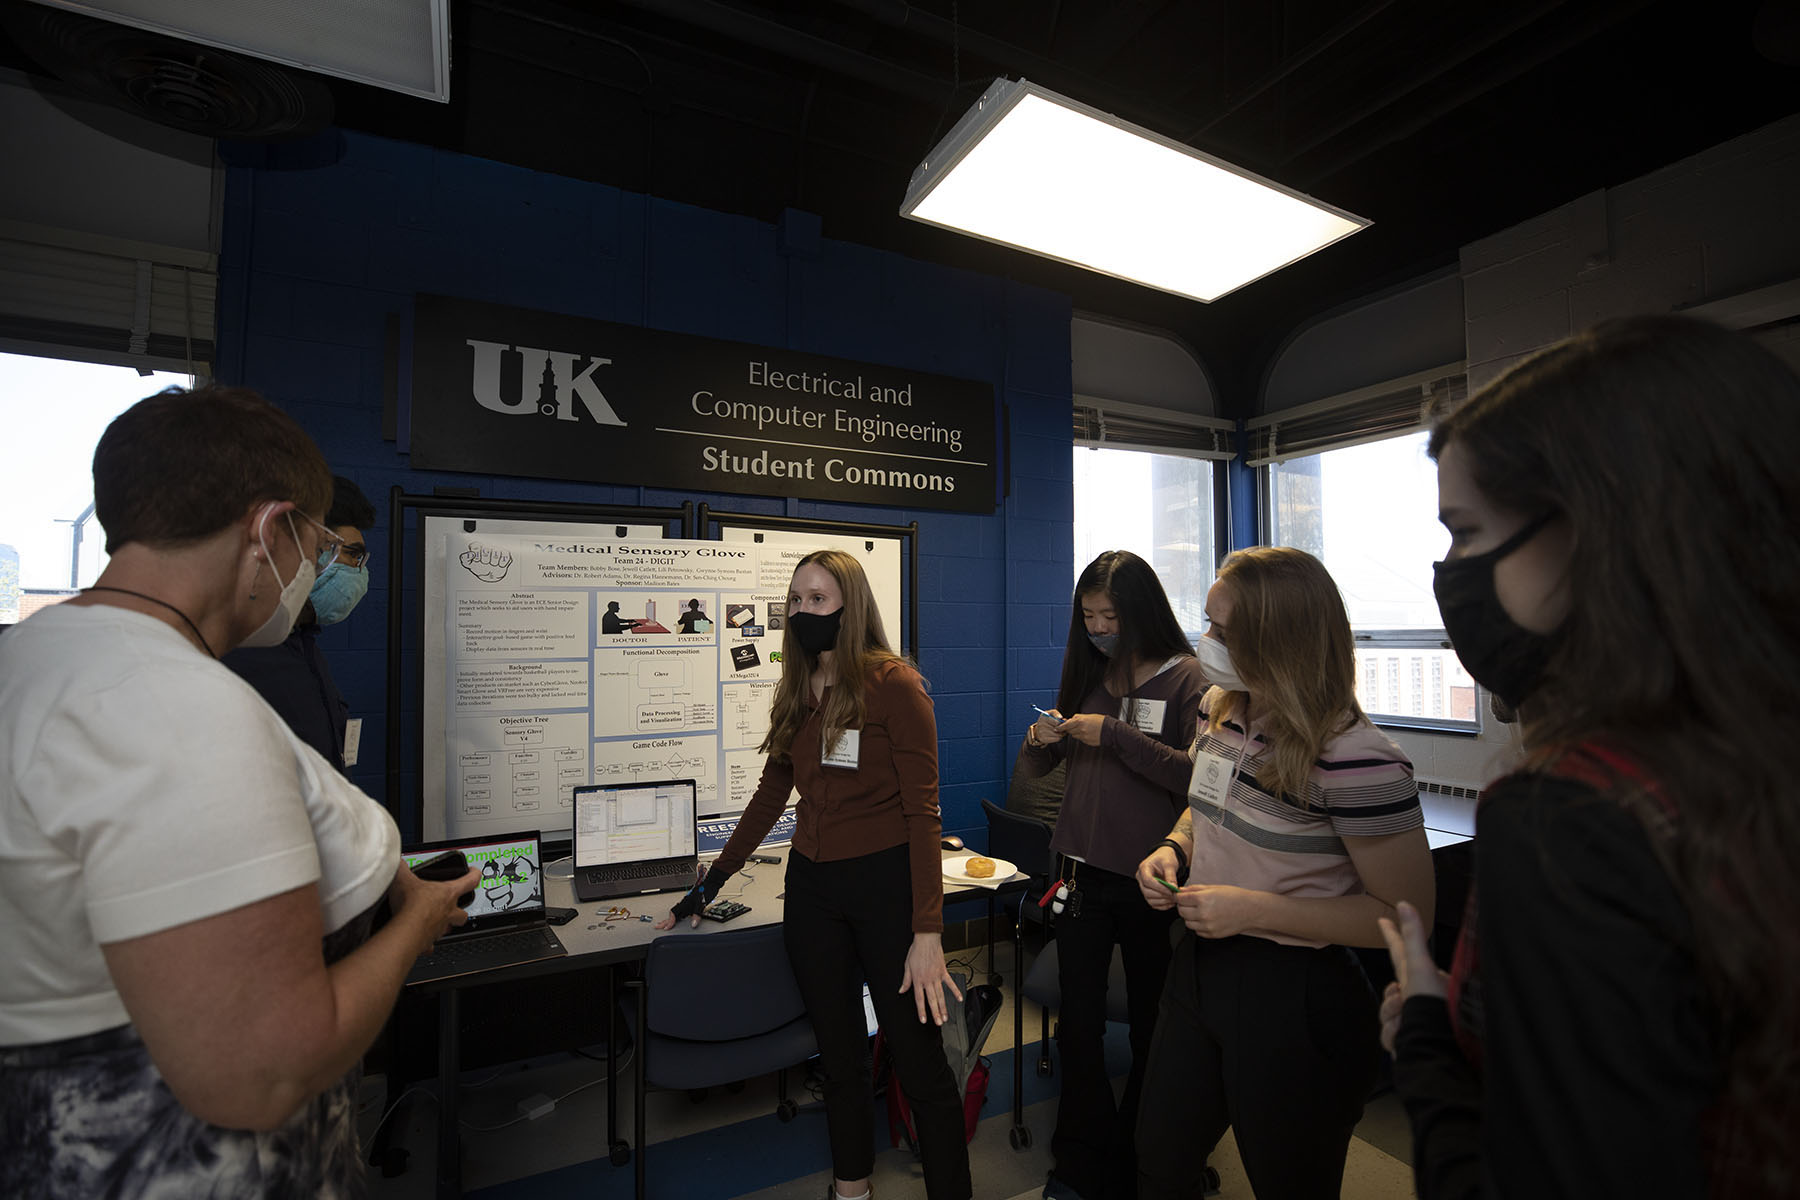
point(725, 1008)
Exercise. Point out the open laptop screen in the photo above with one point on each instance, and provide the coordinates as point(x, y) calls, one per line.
point(633, 822)
point(512, 875)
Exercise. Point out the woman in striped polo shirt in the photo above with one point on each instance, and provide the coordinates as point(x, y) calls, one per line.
point(1303, 830)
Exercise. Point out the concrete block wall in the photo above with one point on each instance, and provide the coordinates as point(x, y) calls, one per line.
point(318, 256)
point(1712, 225)
point(1717, 224)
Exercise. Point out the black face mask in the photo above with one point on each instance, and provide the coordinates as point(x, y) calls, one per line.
point(1502, 656)
point(816, 632)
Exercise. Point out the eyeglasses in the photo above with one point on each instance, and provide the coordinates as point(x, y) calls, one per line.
point(351, 554)
point(333, 548)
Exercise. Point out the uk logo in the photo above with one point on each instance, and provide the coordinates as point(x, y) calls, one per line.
point(549, 383)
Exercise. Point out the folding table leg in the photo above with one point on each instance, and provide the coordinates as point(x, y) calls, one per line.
point(618, 1152)
point(449, 1137)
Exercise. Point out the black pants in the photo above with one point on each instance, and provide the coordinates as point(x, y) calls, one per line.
point(1280, 1044)
point(1092, 1144)
point(847, 922)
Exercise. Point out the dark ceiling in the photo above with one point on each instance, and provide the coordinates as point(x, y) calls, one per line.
point(1441, 122)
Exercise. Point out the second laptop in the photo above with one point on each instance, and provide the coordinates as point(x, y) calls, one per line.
point(632, 838)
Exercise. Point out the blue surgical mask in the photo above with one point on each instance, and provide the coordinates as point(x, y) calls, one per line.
point(1105, 643)
point(338, 591)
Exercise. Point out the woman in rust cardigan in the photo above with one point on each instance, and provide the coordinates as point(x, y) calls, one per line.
point(852, 729)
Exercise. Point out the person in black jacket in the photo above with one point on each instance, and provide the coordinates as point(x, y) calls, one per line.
point(1622, 1016)
point(293, 677)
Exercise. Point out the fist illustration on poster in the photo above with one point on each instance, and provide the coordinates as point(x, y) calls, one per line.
point(486, 564)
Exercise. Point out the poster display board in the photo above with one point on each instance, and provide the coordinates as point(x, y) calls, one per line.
point(435, 531)
point(568, 658)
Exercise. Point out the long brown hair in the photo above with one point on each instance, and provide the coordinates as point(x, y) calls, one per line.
point(1673, 449)
point(1289, 638)
point(862, 645)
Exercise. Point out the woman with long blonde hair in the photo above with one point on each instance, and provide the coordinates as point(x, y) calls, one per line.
point(1303, 830)
point(853, 730)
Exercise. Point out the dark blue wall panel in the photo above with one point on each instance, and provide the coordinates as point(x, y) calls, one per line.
point(318, 257)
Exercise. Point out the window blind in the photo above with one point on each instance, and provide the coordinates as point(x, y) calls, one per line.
point(71, 294)
point(1367, 414)
point(1116, 425)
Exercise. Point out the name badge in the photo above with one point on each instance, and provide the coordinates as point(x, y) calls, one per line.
point(352, 740)
point(1146, 715)
point(845, 754)
point(1210, 781)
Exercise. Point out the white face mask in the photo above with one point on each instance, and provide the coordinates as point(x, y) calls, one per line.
point(294, 592)
point(1216, 665)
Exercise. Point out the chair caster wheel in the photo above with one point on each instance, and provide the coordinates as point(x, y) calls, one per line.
point(1020, 1137)
point(786, 1111)
point(620, 1154)
point(696, 1095)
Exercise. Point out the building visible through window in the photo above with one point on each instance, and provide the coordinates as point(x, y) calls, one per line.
point(50, 544)
point(1369, 513)
point(1159, 507)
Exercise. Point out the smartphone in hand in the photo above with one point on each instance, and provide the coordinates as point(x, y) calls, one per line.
point(445, 867)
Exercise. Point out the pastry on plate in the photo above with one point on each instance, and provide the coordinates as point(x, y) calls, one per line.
point(979, 867)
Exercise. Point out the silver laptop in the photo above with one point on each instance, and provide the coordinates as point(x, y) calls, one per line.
point(634, 837)
point(507, 924)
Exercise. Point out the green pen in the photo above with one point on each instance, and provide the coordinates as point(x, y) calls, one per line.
point(1166, 883)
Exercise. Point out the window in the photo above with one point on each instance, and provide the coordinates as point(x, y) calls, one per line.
point(1369, 513)
point(1159, 507)
point(50, 544)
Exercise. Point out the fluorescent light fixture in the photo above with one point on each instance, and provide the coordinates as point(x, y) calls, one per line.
point(1037, 171)
point(403, 45)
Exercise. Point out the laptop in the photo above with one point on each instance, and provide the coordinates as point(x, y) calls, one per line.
point(634, 837)
point(507, 924)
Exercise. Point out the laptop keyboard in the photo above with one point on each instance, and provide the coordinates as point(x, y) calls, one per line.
point(520, 944)
point(623, 871)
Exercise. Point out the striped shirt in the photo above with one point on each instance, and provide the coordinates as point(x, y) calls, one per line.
point(1361, 786)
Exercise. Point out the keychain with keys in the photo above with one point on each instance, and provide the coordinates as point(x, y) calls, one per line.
point(1068, 895)
point(1069, 900)
point(1061, 897)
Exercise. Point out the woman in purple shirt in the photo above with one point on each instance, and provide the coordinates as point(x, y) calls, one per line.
point(1131, 687)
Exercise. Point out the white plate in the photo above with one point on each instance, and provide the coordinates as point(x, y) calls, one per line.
point(953, 869)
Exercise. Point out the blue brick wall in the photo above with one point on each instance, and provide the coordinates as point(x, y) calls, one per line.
point(316, 258)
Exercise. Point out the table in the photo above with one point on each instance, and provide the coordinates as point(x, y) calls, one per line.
point(592, 942)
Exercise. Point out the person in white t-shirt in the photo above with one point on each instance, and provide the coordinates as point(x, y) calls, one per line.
point(188, 891)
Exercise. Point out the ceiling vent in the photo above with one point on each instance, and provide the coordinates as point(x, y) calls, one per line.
point(186, 86)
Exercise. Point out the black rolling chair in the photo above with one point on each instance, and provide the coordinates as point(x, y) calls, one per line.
point(694, 1037)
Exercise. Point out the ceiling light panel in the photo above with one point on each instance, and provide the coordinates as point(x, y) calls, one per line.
point(1037, 171)
point(403, 45)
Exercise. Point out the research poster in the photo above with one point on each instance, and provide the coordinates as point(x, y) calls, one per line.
point(577, 659)
point(435, 532)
